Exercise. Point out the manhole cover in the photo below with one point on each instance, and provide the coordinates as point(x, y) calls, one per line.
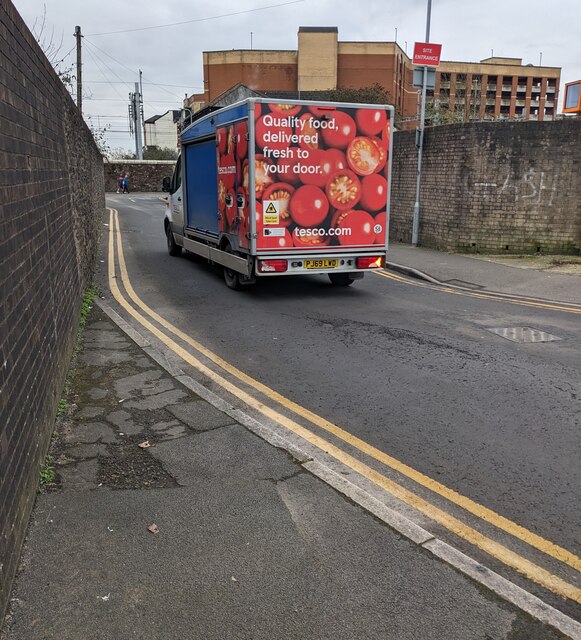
point(523, 334)
point(463, 284)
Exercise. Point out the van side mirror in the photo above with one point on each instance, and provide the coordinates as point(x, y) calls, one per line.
point(165, 185)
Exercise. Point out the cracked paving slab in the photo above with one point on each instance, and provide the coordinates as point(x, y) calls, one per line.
point(158, 401)
point(104, 357)
point(200, 415)
point(217, 454)
point(89, 432)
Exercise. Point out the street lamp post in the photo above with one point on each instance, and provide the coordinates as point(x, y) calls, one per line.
point(416, 216)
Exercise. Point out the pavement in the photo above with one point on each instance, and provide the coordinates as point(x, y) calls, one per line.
point(485, 273)
point(168, 519)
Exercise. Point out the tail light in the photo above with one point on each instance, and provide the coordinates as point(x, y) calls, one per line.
point(370, 262)
point(272, 266)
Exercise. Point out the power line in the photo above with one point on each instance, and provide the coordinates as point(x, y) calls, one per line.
point(149, 103)
point(175, 24)
point(104, 76)
point(126, 100)
point(178, 99)
point(67, 54)
point(157, 84)
point(107, 66)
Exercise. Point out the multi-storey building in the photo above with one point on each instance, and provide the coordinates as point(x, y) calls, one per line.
point(492, 88)
point(498, 88)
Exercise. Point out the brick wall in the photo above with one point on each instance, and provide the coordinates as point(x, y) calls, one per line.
point(51, 179)
point(492, 187)
point(143, 176)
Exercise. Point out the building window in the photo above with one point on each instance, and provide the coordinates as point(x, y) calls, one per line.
point(460, 82)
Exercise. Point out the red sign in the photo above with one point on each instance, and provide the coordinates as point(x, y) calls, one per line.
point(427, 54)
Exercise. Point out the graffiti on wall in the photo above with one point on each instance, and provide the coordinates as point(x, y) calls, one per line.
point(535, 188)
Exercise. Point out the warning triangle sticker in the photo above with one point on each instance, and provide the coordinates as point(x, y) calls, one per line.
point(271, 208)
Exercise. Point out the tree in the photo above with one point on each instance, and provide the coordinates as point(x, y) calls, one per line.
point(99, 135)
point(438, 113)
point(120, 153)
point(374, 94)
point(52, 50)
point(153, 152)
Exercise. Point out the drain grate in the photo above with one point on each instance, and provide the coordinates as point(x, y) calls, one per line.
point(523, 334)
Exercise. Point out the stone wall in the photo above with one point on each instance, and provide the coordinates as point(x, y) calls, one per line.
point(51, 176)
point(512, 187)
point(143, 175)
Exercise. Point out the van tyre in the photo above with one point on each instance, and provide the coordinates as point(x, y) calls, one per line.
point(231, 278)
point(172, 248)
point(341, 279)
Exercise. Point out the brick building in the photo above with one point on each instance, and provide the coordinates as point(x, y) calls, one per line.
point(498, 88)
point(491, 89)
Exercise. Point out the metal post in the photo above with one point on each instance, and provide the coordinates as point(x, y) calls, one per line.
point(137, 121)
point(416, 216)
point(141, 116)
point(78, 36)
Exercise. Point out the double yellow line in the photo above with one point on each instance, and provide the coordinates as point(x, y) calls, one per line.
point(483, 295)
point(498, 551)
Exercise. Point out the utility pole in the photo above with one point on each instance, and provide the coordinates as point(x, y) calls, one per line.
point(137, 111)
point(416, 216)
point(78, 36)
point(141, 116)
point(135, 116)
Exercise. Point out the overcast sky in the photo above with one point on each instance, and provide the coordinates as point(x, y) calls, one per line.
point(171, 57)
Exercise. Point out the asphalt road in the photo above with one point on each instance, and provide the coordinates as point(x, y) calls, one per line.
point(412, 371)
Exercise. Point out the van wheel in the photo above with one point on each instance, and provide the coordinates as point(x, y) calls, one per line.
point(341, 279)
point(172, 248)
point(231, 278)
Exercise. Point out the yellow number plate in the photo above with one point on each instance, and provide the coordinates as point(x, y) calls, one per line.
point(321, 264)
